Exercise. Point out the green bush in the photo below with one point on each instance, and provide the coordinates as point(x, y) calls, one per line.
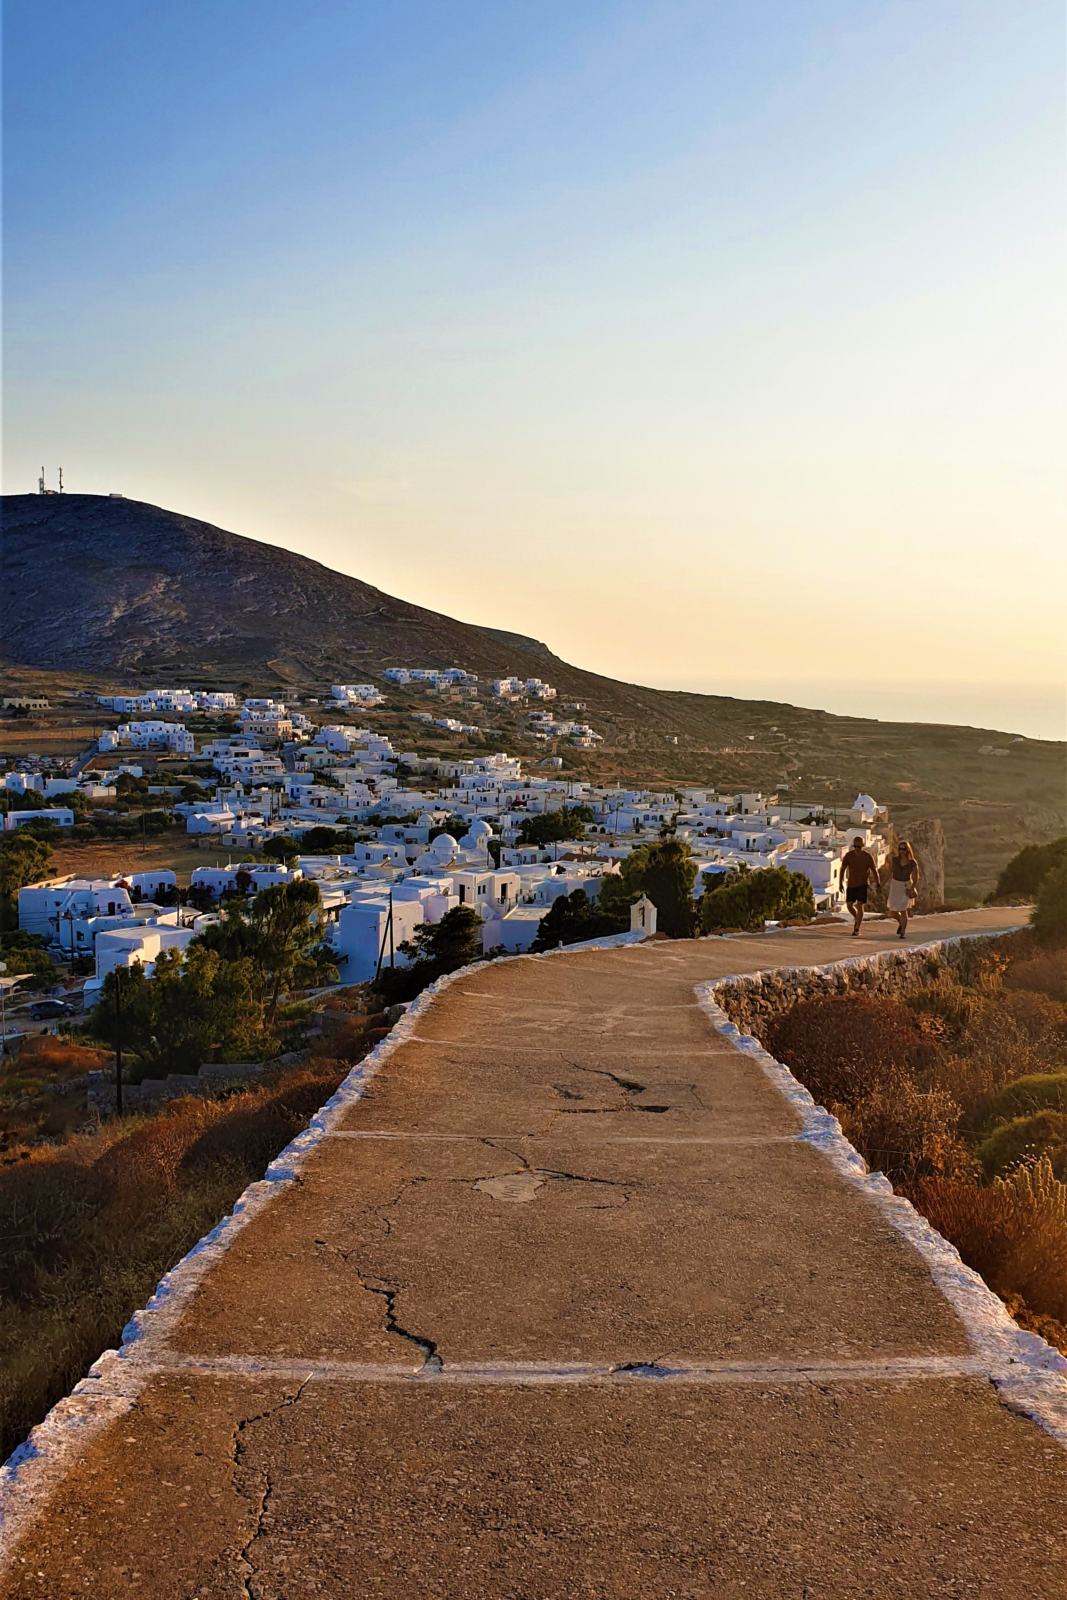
point(1025, 872)
point(1038, 1091)
point(1049, 916)
point(752, 898)
point(1021, 1139)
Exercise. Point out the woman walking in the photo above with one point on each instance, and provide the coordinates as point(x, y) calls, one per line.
point(903, 885)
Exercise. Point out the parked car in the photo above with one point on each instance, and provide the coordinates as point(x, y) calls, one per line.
point(42, 1010)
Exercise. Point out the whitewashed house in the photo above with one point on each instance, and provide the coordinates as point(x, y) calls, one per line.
point(60, 816)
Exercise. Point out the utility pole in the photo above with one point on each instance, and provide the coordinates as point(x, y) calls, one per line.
point(387, 934)
point(118, 1041)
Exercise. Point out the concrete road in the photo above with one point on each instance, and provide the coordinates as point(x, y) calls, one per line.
point(564, 1307)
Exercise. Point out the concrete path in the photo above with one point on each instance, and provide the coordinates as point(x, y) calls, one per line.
point(424, 1370)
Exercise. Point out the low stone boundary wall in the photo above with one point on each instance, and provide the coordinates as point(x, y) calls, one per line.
point(154, 1091)
point(752, 999)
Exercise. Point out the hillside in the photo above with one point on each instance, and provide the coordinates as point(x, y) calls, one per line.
point(106, 592)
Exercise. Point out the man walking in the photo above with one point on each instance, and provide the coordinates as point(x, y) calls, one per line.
point(860, 873)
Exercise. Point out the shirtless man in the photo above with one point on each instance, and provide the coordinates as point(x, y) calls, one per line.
point(860, 871)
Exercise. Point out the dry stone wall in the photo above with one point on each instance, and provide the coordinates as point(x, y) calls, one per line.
point(751, 1000)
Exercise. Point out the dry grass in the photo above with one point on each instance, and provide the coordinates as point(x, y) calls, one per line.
point(1045, 973)
point(106, 857)
point(47, 1055)
point(1013, 1232)
point(89, 1227)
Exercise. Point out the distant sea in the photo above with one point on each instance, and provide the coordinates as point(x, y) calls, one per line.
point(1037, 710)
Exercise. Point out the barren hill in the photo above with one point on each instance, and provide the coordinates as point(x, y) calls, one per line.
point(157, 591)
point(117, 592)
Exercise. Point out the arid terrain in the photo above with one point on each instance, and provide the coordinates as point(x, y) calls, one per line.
point(162, 598)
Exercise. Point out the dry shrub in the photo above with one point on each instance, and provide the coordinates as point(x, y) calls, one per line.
point(1013, 1232)
point(1044, 1133)
point(905, 1131)
point(146, 1164)
point(343, 1039)
point(949, 1010)
point(987, 1060)
point(1045, 973)
point(352, 1001)
point(846, 1047)
point(47, 1055)
point(1039, 1018)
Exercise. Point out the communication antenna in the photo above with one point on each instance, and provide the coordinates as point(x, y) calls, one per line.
point(61, 480)
point(40, 482)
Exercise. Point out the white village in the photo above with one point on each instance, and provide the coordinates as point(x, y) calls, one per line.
point(416, 835)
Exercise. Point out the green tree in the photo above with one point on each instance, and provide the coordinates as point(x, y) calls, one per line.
point(26, 953)
point(24, 858)
point(574, 917)
point(327, 841)
point(453, 942)
point(552, 827)
point(1022, 877)
point(667, 877)
point(1049, 916)
point(200, 1009)
point(434, 949)
point(665, 871)
point(281, 848)
point(749, 899)
point(281, 935)
point(12, 800)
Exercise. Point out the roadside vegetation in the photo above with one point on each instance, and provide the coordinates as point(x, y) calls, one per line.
point(666, 871)
point(92, 1216)
point(958, 1093)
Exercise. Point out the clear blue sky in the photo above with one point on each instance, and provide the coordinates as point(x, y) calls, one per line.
point(674, 333)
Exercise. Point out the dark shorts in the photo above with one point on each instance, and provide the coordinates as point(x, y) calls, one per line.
point(856, 896)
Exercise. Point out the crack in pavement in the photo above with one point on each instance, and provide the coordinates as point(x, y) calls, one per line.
point(390, 1205)
point(629, 1086)
point(372, 1284)
point(238, 1451)
point(552, 1172)
point(431, 1361)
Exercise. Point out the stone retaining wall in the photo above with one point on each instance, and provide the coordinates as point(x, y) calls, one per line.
point(751, 1000)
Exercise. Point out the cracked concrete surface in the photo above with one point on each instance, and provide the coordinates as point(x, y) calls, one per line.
point(564, 1309)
